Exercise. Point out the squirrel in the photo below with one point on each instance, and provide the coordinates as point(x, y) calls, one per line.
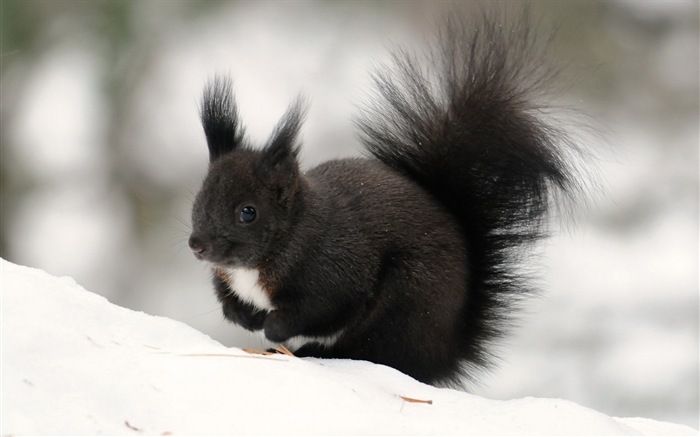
point(409, 256)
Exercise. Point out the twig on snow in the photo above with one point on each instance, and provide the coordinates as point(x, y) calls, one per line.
point(416, 401)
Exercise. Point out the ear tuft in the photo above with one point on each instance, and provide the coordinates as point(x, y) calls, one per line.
point(282, 148)
point(219, 116)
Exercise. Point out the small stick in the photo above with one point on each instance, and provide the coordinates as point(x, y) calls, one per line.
point(228, 355)
point(126, 422)
point(283, 350)
point(258, 352)
point(416, 401)
point(93, 341)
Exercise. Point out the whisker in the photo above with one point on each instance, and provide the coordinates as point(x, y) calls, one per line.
point(202, 314)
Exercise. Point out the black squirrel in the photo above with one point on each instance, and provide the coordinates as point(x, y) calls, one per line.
point(408, 257)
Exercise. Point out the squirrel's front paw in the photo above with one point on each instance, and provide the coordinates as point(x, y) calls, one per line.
point(276, 329)
point(245, 315)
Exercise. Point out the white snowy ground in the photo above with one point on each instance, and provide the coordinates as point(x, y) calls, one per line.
point(73, 363)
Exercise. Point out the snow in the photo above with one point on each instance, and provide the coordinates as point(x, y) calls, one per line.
point(73, 363)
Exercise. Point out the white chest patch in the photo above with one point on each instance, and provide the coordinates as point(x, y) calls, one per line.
point(246, 284)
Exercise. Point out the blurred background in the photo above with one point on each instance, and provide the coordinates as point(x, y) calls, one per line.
point(102, 153)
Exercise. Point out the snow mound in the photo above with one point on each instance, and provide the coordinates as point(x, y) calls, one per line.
point(73, 363)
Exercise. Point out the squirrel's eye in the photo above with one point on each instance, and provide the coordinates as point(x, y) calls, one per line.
point(248, 214)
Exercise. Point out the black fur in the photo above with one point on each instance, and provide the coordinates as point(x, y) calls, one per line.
point(408, 258)
point(219, 116)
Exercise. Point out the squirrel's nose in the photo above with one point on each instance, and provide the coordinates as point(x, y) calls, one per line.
point(199, 248)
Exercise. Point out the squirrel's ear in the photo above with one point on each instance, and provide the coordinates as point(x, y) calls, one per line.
point(219, 116)
point(278, 161)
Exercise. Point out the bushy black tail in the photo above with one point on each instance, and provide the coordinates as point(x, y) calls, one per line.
point(464, 124)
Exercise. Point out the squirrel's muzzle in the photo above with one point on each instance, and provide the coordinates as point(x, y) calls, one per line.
point(199, 247)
